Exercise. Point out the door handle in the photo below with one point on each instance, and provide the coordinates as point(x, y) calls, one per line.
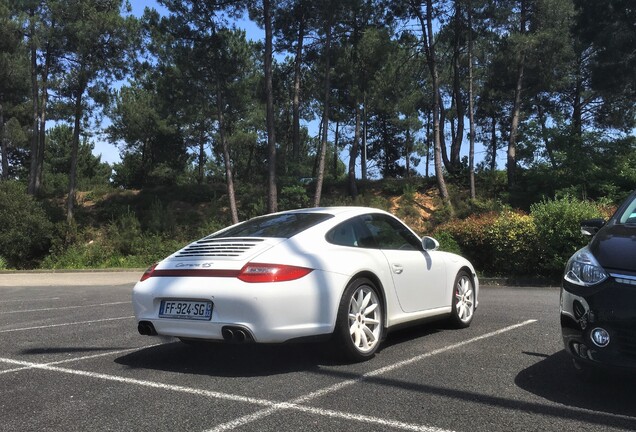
point(397, 269)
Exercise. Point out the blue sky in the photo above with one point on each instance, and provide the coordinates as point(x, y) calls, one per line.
point(110, 152)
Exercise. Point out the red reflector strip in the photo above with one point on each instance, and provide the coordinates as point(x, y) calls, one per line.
point(196, 273)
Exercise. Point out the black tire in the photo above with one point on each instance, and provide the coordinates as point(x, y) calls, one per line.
point(360, 321)
point(463, 304)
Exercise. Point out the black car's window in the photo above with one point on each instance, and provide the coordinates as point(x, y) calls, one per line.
point(629, 215)
point(280, 226)
point(388, 233)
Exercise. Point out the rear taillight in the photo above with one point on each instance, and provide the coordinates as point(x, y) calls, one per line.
point(255, 273)
point(148, 273)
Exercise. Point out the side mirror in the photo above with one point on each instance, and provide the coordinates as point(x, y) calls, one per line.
point(429, 243)
point(591, 226)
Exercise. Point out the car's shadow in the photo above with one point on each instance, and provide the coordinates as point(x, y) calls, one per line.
point(237, 360)
point(555, 379)
point(229, 360)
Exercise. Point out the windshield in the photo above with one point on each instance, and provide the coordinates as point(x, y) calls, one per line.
point(280, 226)
point(629, 214)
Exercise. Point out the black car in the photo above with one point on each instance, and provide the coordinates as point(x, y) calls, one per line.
point(598, 294)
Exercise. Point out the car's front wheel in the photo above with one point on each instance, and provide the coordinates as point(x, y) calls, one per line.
point(463, 307)
point(359, 324)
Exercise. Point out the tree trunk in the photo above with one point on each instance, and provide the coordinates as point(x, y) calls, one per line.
point(544, 135)
point(3, 147)
point(458, 137)
point(363, 156)
point(272, 194)
point(226, 156)
point(353, 155)
point(201, 156)
point(493, 143)
point(35, 116)
point(577, 106)
point(408, 152)
point(314, 170)
point(45, 97)
point(428, 144)
point(72, 178)
point(442, 138)
point(335, 151)
point(427, 34)
point(471, 108)
point(516, 107)
point(325, 118)
point(514, 127)
point(296, 101)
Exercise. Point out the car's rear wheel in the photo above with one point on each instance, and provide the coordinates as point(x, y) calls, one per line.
point(463, 305)
point(359, 324)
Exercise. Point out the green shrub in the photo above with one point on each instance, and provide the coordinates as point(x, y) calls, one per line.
point(25, 234)
point(558, 224)
point(106, 252)
point(124, 233)
point(293, 197)
point(447, 243)
point(160, 219)
point(503, 243)
point(471, 235)
point(80, 256)
point(3, 263)
point(513, 242)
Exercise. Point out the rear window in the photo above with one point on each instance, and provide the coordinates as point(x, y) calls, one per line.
point(280, 226)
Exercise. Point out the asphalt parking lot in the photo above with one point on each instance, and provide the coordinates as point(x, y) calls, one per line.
point(72, 360)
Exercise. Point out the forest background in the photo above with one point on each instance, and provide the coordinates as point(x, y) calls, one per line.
point(405, 105)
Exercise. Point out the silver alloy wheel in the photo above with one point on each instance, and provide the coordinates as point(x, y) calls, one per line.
point(365, 316)
point(464, 303)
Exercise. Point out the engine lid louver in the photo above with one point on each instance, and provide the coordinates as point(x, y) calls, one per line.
point(219, 248)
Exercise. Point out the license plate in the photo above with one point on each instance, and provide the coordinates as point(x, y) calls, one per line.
point(186, 309)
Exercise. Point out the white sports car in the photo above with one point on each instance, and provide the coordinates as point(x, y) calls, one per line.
point(348, 272)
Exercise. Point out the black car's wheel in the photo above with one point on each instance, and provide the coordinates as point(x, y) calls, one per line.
point(359, 324)
point(463, 305)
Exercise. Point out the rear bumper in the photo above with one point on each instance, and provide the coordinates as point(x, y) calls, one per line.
point(271, 312)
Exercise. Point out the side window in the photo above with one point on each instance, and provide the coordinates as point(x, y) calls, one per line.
point(343, 235)
point(629, 215)
point(389, 233)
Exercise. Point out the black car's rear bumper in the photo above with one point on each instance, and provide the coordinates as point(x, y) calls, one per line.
point(610, 306)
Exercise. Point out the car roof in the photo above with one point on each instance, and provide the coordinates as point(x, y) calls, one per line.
point(337, 210)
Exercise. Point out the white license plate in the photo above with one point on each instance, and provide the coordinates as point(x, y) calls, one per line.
point(186, 309)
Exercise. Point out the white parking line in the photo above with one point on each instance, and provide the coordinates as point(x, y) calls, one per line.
point(272, 407)
point(29, 300)
point(407, 362)
point(143, 383)
point(65, 324)
point(64, 307)
point(367, 419)
point(77, 359)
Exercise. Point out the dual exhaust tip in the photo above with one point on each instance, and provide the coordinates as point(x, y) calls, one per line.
point(236, 334)
point(230, 333)
point(146, 328)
